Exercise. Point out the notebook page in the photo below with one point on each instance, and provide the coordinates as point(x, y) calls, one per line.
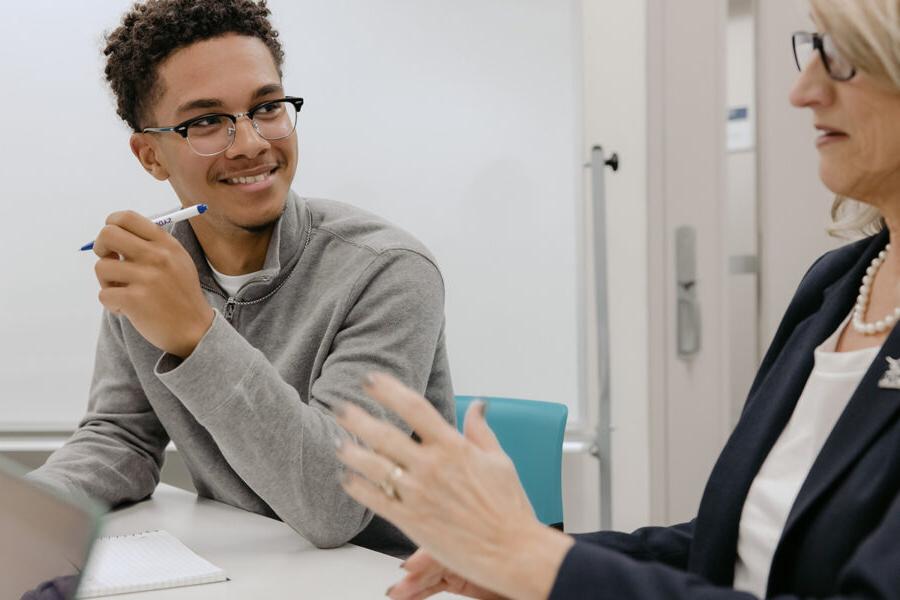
point(151, 560)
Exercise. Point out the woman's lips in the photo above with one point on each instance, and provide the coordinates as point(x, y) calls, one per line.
point(829, 136)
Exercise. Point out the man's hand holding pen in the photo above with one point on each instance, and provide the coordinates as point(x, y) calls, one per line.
point(146, 275)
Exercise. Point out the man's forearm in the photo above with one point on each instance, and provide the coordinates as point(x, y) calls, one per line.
point(97, 462)
point(282, 447)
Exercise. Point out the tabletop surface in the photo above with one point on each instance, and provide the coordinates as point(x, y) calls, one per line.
point(263, 557)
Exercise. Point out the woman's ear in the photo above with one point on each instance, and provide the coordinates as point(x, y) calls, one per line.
point(147, 152)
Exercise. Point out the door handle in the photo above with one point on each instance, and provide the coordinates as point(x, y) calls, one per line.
point(687, 305)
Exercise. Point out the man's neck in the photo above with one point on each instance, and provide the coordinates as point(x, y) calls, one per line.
point(238, 253)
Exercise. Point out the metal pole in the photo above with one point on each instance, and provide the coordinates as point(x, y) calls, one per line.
point(602, 446)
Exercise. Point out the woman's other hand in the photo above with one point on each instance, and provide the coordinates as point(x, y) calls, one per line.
point(427, 577)
point(456, 496)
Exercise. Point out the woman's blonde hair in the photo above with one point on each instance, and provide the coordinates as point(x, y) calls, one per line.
point(867, 32)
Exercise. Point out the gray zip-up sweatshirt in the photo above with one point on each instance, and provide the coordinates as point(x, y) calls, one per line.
point(342, 293)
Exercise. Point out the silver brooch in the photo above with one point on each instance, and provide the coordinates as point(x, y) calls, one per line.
point(891, 378)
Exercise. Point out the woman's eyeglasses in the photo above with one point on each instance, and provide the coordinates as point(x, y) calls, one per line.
point(805, 46)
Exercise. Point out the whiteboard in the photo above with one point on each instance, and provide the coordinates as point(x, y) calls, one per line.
point(459, 121)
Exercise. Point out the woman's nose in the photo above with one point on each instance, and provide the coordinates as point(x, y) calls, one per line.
point(814, 87)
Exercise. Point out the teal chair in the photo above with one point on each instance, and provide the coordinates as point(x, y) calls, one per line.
point(531, 433)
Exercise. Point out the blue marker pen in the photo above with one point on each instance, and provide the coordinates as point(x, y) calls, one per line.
point(179, 215)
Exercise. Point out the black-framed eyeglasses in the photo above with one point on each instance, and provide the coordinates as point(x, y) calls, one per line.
point(805, 45)
point(214, 133)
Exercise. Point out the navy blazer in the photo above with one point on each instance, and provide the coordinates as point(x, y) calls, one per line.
point(842, 536)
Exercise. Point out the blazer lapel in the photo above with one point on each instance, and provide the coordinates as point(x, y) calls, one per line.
point(870, 409)
point(766, 414)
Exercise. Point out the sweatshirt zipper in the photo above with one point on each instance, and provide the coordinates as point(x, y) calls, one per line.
point(229, 309)
point(231, 302)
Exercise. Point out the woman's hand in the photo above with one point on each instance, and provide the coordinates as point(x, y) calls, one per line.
point(427, 577)
point(457, 497)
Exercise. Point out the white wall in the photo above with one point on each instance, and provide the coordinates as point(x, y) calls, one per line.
point(460, 122)
point(740, 48)
point(689, 415)
point(615, 116)
point(741, 205)
point(794, 205)
point(504, 52)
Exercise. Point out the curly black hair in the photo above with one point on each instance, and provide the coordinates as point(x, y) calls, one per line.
point(153, 30)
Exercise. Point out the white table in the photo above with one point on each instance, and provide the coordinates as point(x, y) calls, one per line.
point(264, 558)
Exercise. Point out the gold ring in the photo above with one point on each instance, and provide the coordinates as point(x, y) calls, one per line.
point(389, 484)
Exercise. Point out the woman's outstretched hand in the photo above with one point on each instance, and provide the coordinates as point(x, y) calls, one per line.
point(456, 496)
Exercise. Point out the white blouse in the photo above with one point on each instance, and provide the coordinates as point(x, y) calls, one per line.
point(834, 378)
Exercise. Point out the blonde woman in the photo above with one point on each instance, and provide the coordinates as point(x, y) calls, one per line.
point(803, 501)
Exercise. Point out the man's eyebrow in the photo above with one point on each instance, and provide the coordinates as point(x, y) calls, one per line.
point(216, 103)
point(199, 103)
point(268, 89)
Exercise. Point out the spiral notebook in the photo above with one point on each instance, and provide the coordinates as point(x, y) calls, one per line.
point(152, 560)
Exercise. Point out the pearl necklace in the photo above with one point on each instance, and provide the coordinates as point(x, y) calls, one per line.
point(862, 301)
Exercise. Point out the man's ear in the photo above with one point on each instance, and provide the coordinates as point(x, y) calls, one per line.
point(147, 153)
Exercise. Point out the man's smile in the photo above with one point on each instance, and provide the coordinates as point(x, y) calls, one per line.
point(250, 177)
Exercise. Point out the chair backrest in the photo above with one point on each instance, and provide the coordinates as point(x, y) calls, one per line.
point(531, 433)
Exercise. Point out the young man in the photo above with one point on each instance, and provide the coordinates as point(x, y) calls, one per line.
point(235, 334)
